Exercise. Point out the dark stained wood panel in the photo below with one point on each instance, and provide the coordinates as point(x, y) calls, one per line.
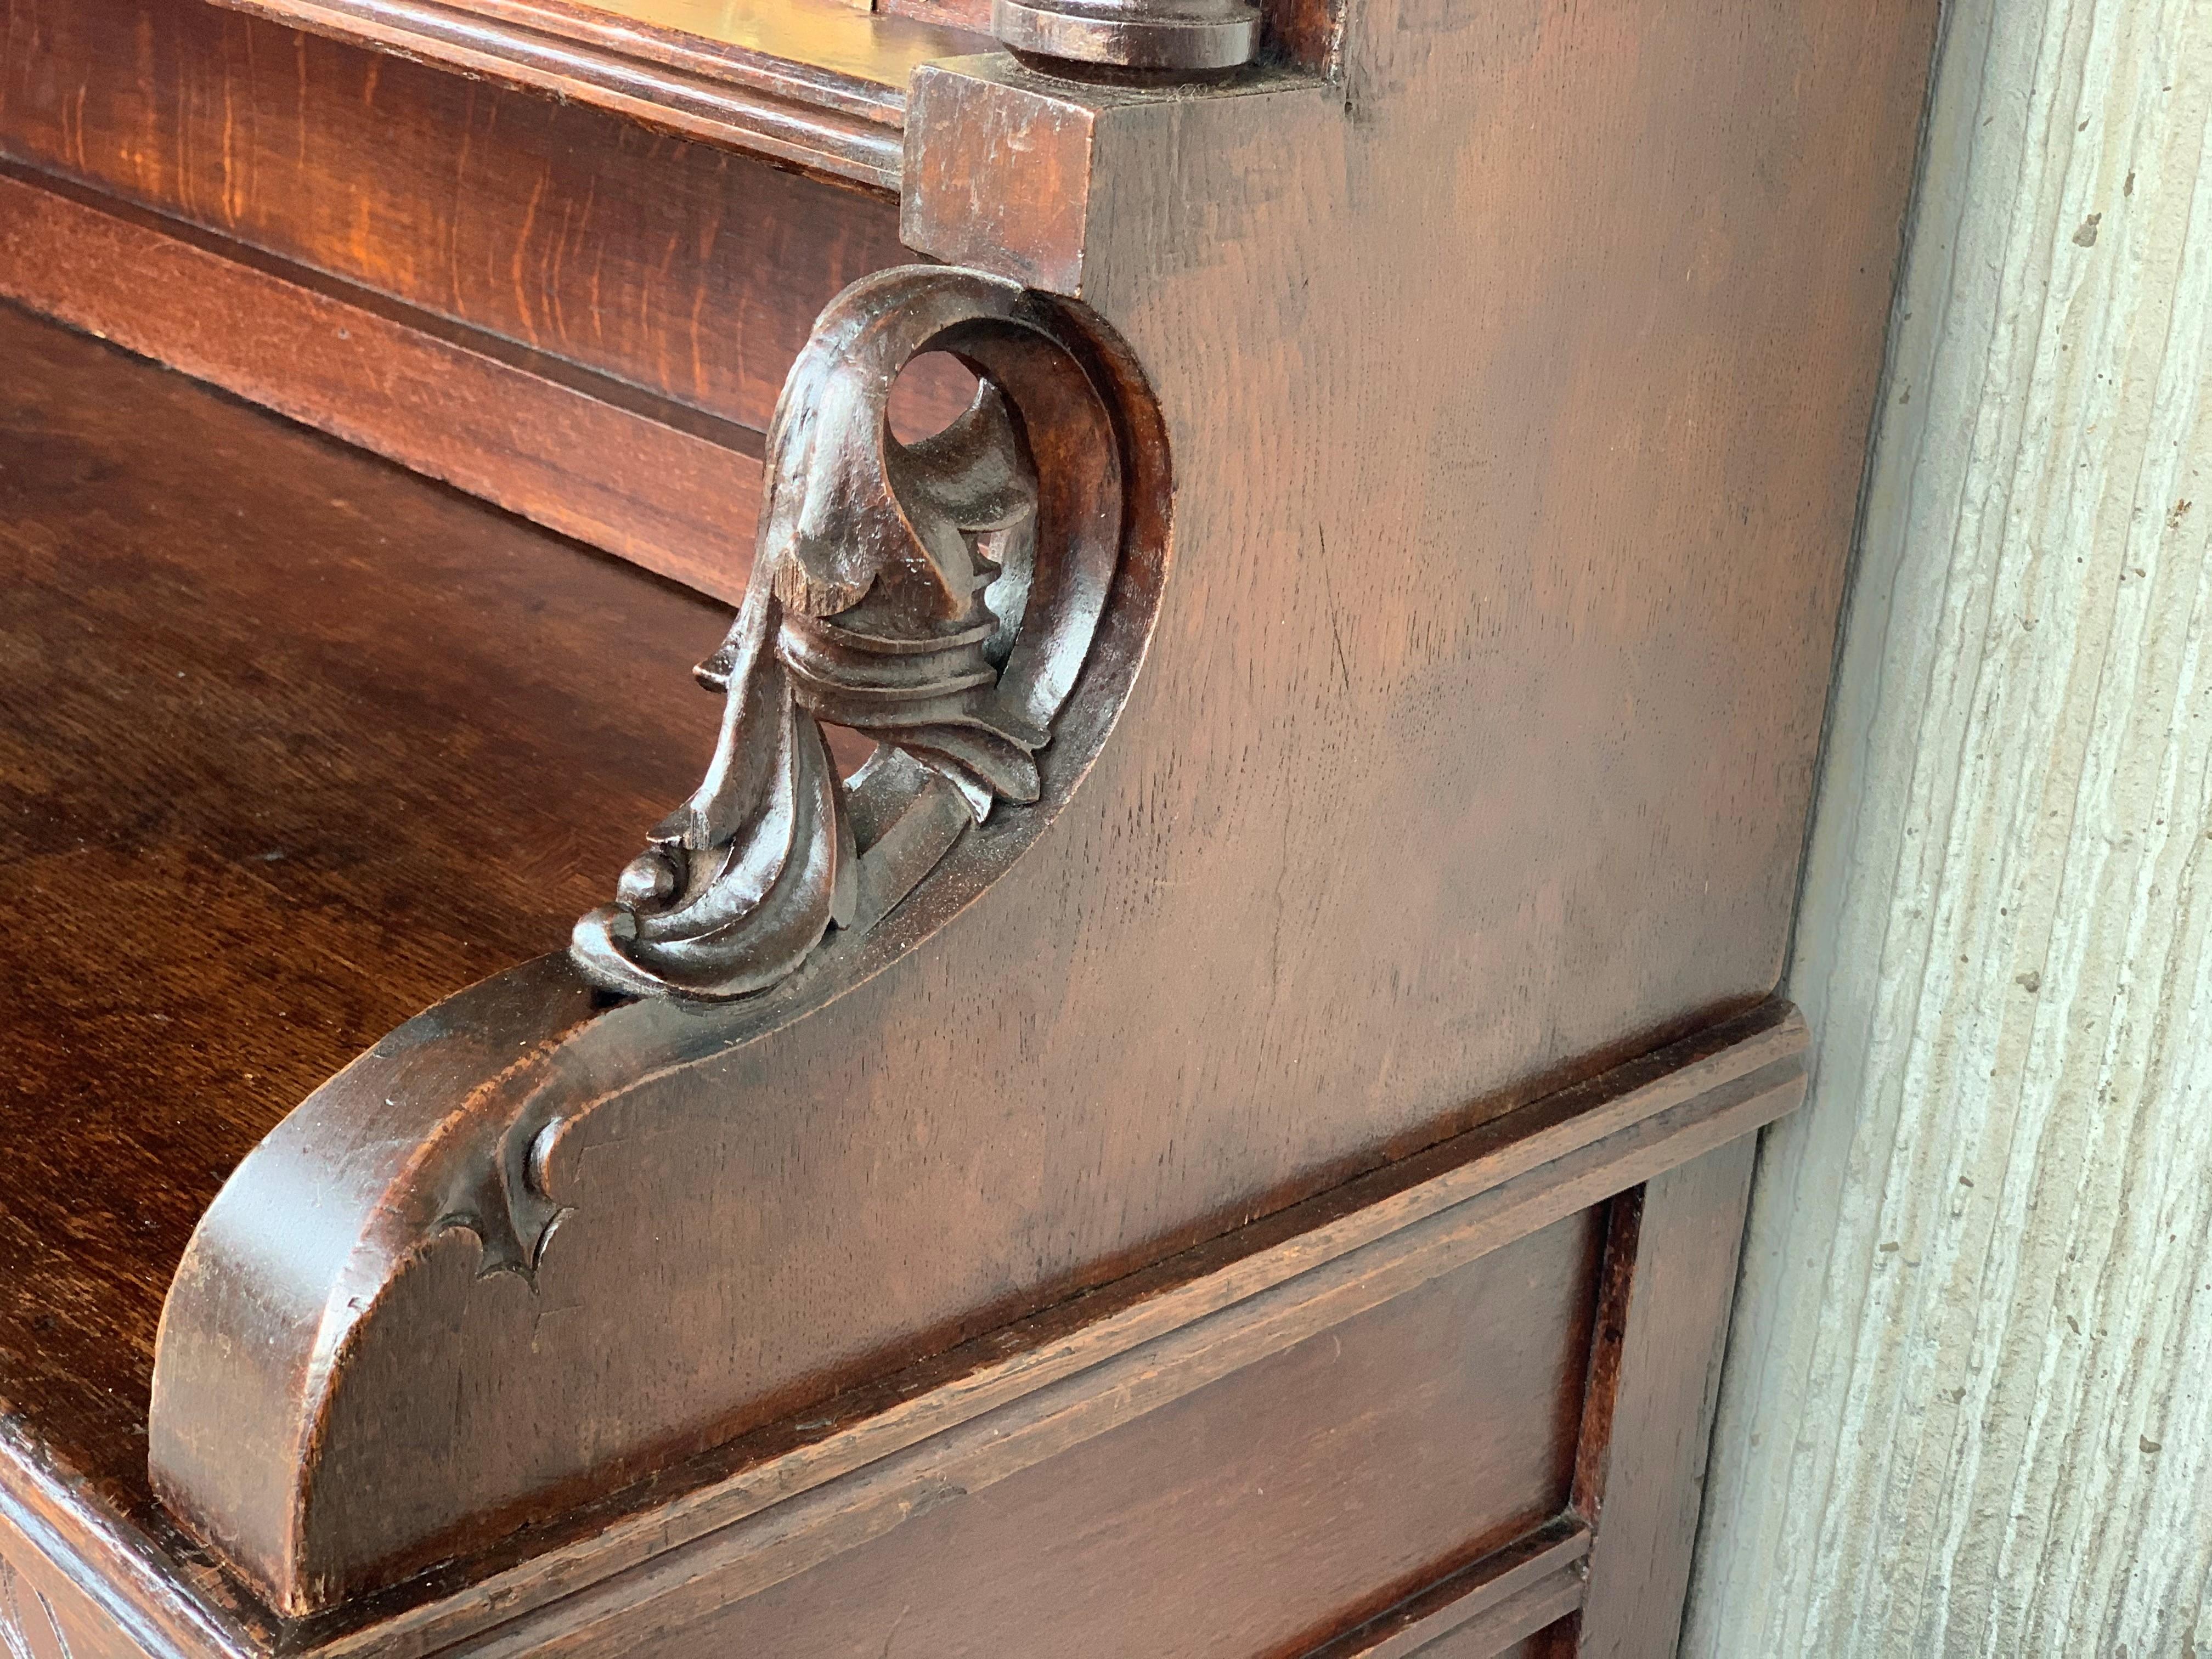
point(768, 1506)
point(1259, 1515)
point(291, 744)
point(1471, 751)
point(45, 1614)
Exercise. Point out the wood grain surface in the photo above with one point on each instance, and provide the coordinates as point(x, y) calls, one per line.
point(815, 84)
point(1275, 1507)
point(292, 746)
point(81, 1580)
point(84, 418)
point(1470, 755)
point(1671, 1271)
point(685, 269)
point(834, 1476)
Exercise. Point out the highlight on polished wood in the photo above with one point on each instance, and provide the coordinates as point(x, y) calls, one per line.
point(813, 84)
point(1182, 1076)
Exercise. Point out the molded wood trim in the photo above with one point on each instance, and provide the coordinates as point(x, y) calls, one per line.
point(1507, 1594)
point(686, 270)
point(99, 1582)
point(1671, 1274)
point(821, 86)
point(869, 1461)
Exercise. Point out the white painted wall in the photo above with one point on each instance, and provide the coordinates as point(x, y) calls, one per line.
point(1968, 1401)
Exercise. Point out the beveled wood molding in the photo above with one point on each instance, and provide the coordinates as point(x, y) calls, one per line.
point(812, 84)
point(1486, 1606)
point(939, 598)
point(94, 1564)
point(803, 1489)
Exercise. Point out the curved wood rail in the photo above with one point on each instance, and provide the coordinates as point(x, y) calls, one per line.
point(813, 84)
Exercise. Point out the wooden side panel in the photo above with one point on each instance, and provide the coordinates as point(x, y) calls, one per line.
point(1254, 1516)
point(687, 270)
point(1643, 1471)
point(830, 1479)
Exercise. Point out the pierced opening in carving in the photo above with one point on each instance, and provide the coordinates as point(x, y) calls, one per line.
point(944, 595)
point(849, 750)
point(931, 392)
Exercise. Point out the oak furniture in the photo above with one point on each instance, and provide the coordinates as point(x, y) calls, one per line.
point(1167, 1060)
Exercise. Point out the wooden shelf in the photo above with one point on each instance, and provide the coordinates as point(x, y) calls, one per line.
point(297, 743)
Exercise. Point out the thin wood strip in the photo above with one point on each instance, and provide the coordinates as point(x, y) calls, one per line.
point(1548, 1554)
point(1640, 1474)
point(770, 1521)
point(1544, 1603)
point(848, 133)
point(672, 489)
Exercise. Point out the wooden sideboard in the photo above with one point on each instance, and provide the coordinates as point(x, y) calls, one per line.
point(1182, 1078)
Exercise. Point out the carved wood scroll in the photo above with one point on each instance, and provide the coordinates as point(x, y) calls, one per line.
point(940, 597)
point(980, 602)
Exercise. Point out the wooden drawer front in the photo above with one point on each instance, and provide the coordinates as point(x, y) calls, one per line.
point(1260, 1515)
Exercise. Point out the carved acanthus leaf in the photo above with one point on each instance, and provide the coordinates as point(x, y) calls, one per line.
point(939, 597)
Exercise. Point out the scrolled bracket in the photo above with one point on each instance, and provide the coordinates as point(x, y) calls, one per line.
point(940, 597)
